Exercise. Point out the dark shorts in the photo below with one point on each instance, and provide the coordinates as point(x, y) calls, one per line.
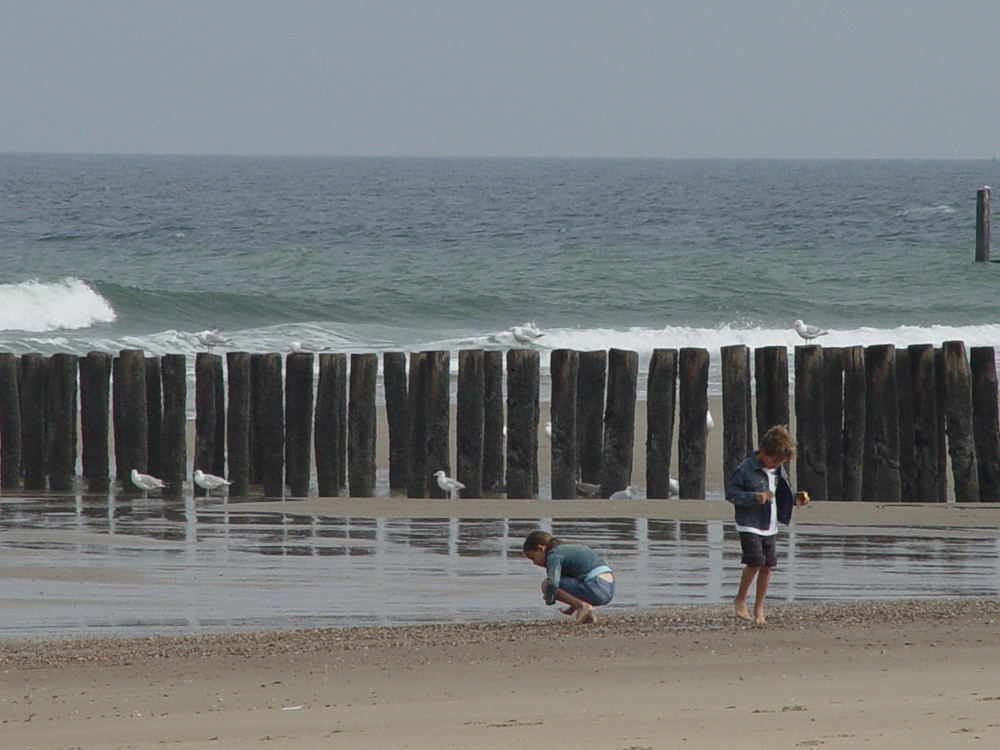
point(758, 551)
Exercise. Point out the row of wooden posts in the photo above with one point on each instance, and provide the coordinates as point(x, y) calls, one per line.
point(873, 423)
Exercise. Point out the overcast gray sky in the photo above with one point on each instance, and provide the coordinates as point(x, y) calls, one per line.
point(705, 78)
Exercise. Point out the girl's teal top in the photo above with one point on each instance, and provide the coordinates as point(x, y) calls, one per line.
point(571, 561)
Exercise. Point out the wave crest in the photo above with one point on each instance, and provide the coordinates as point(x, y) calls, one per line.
point(38, 306)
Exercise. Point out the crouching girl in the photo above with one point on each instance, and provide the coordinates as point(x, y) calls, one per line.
point(577, 576)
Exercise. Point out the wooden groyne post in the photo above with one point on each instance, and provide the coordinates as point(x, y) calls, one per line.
point(469, 423)
point(207, 374)
point(493, 422)
point(693, 432)
point(397, 414)
point(416, 482)
point(564, 365)
point(95, 399)
point(771, 377)
point(985, 426)
point(238, 422)
point(298, 422)
point(131, 427)
point(330, 424)
point(810, 464)
point(737, 407)
point(269, 424)
point(619, 421)
point(522, 422)
point(880, 477)
point(60, 420)
point(661, 398)
point(983, 225)
point(438, 418)
point(958, 415)
point(10, 423)
point(853, 435)
point(361, 426)
point(924, 408)
point(32, 391)
point(591, 377)
point(833, 421)
point(173, 433)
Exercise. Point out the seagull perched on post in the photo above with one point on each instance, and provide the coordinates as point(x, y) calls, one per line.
point(146, 482)
point(210, 338)
point(808, 332)
point(209, 482)
point(306, 347)
point(449, 485)
point(525, 334)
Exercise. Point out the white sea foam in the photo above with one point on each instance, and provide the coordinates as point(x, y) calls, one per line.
point(40, 306)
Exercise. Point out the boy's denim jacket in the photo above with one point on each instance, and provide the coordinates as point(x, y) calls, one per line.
point(747, 480)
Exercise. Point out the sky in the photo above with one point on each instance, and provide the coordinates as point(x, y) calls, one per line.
point(536, 78)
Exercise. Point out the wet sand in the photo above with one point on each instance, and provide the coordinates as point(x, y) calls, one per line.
point(892, 675)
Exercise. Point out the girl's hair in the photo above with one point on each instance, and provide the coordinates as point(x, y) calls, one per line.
point(538, 539)
point(778, 443)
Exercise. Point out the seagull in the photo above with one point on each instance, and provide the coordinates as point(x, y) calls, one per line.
point(709, 422)
point(524, 335)
point(673, 487)
point(548, 430)
point(146, 482)
point(626, 494)
point(211, 338)
point(449, 485)
point(299, 347)
point(808, 332)
point(209, 482)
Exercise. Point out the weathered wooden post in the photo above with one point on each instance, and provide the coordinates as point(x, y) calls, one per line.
point(855, 402)
point(590, 385)
point(361, 426)
point(256, 361)
point(436, 401)
point(522, 422)
point(940, 384)
point(154, 417)
point(207, 367)
point(10, 423)
point(983, 225)
point(661, 389)
point(417, 471)
point(397, 416)
point(986, 428)
point(469, 422)
point(493, 422)
point(32, 389)
point(173, 452)
point(269, 423)
point(60, 420)
point(880, 479)
point(771, 376)
point(132, 429)
point(238, 422)
point(737, 407)
point(564, 365)
point(692, 435)
point(923, 405)
point(95, 401)
point(619, 421)
point(810, 464)
point(833, 421)
point(219, 457)
point(298, 421)
point(904, 397)
point(330, 426)
point(958, 414)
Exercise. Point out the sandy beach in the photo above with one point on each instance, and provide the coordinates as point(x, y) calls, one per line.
point(886, 675)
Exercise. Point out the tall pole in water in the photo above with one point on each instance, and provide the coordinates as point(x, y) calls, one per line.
point(983, 224)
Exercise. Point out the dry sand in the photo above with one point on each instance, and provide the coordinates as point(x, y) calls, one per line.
point(880, 675)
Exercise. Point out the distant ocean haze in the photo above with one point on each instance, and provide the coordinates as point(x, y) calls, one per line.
point(377, 254)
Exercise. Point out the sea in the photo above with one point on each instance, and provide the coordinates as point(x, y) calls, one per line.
point(370, 254)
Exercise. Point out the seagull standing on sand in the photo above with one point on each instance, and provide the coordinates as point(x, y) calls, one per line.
point(548, 430)
point(210, 338)
point(209, 482)
point(449, 485)
point(146, 482)
point(525, 335)
point(626, 494)
point(808, 332)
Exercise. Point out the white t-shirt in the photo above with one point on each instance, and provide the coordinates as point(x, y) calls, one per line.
point(772, 527)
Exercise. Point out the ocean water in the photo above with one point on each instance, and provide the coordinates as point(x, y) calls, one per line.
point(104, 252)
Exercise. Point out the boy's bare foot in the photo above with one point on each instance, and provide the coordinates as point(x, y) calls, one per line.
point(741, 609)
point(758, 616)
point(585, 614)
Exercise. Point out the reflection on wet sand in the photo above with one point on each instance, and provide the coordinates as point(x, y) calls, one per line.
point(87, 564)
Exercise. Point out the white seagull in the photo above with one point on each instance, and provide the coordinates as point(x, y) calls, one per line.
point(209, 482)
point(210, 338)
point(808, 332)
point(299, 347)
point(673, 487)
point(449, 485)
point(548, 430)
point(626, 494)
point(525, 335)
point(709, 422)
point(146, 482)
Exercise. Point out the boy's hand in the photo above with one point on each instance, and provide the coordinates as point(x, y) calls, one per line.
point(762, 497)
point(802, 498)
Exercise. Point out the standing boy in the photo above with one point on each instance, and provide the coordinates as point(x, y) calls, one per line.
point(762, 494)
